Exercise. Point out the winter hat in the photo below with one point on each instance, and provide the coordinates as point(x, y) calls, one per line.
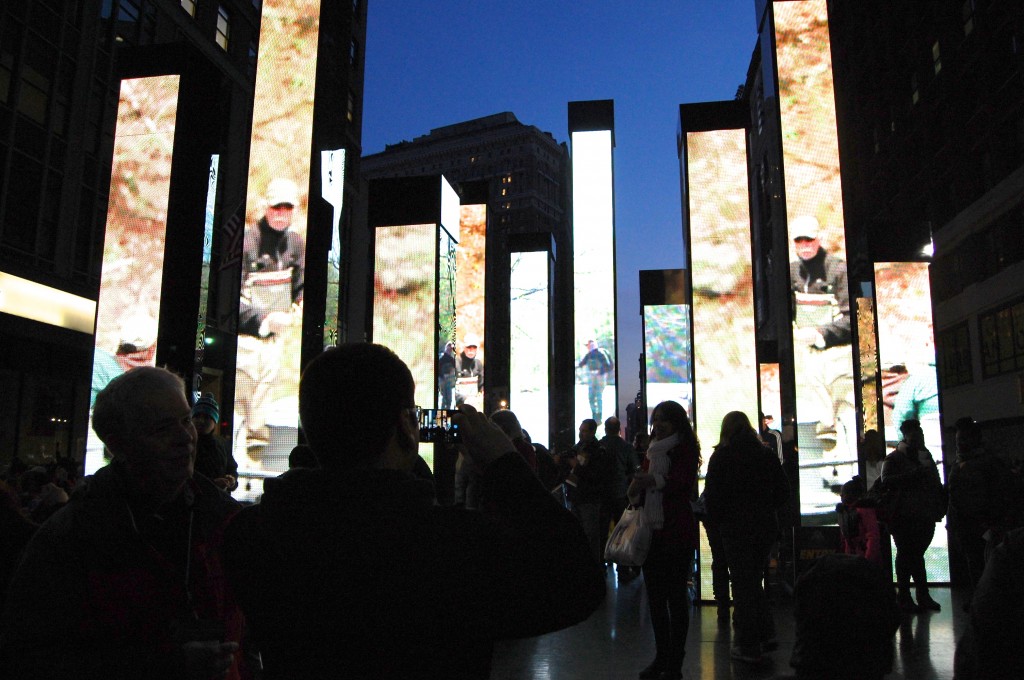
point(508, 423)
point(207, 405)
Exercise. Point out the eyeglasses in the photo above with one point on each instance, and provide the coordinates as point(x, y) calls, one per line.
point(414, 412)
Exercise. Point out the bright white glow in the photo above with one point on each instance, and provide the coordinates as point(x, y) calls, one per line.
point(593, 266)
point(928, 249)
point(528, 358)
point(31, 300)
point(451, 209)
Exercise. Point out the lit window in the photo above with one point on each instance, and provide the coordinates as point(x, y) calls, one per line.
point(936, 57)
point(350, 113)
point(189, 6)
point(223, 27)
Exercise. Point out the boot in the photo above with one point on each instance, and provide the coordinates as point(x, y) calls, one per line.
point(925, 601)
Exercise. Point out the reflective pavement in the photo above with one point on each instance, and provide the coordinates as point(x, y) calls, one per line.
point(617, 641)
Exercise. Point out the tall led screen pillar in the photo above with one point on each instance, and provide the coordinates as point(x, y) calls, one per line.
point(713, 157)
point(415, 281)
point(591, 133)
point(906, 349)
point(274, 244)
point(530, 341)
point(822, 351)
point(133, 248)
point(470, 292)
point(668, 355)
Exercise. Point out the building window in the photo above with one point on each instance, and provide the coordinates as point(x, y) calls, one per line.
point(223, 27)
point(350, 112)
point(954, 356)
point(1002, 340)
point(6, 74)
point(915, 93)
point(353, 53)
point(189, 6)
point(252, 58)
point(936, 57)
point(968, 15)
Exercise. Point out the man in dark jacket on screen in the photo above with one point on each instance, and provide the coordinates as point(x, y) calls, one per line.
point(352, 571)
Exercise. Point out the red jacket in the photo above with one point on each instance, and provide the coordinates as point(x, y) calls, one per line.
point(680, 524)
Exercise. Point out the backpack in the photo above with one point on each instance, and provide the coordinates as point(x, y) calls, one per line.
point(883, 499)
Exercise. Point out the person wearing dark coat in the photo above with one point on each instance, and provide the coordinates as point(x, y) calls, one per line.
point(992, 646)
point(352, 570)
point(213, 455)
point(910, 473)
point(126, 581)
point(743, 491)
point(665, 489)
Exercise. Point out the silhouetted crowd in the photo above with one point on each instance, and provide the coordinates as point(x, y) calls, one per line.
point(348, 566)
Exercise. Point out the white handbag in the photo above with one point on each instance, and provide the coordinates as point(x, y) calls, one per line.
point(630, 539)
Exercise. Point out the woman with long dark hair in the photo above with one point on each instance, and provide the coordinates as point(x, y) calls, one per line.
point(665, 489)
point(744, 488)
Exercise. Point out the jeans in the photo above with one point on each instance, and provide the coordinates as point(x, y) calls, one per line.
point(666, 571)
point(747, 552)
point(912, 540)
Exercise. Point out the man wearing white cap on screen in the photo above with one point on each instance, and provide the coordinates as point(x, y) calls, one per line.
point(821, 339)
point(273, 264)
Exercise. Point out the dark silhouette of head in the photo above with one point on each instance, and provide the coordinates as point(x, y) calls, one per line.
point(735, 427)
point(302, 456)
point(351, 400)
point(673, 412)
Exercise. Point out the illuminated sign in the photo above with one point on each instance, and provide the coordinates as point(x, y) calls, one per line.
point(593, 274)
point(529, 289)
point(274, 248)
point(822, 351)
point(127, 312)
point(31, 300)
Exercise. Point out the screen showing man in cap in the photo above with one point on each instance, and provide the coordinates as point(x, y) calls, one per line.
point(273, 263)
point(821, 347)
point(470, 368)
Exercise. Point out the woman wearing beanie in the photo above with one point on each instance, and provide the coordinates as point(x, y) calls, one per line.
point(213, 457)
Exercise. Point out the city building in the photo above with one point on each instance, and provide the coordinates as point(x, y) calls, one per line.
point(931, 111)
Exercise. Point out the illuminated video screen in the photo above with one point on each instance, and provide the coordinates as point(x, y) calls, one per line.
point(446, 284)
point(771, 395)
point(404, 289)
point(906, 349)
point(594, 274)
point(822, 351)
point(333, 191)
point(127, 313)
point(471, 260)
point(529, 310)
point(274, 245)
point(725, 369)
point(204, 278)
point(667, 353)
point(867, 349)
